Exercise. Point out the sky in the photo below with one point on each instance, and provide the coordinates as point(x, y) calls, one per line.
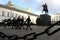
point(36, 5)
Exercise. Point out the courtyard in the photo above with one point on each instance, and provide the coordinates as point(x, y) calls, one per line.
point(37, 29)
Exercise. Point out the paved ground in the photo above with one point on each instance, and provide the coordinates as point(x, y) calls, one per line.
point(37, 29)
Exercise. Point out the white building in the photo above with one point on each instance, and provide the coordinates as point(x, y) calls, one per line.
point(55, 17)
point(8, 10)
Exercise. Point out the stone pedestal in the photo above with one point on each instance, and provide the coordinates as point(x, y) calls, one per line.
point(45, 19)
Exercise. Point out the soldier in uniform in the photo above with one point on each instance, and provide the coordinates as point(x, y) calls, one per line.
point(9, 22)
point(22, 22)
point(5, 22)
point(45, 8)
point(28, 20)
point(13, 22)
point(18, 22)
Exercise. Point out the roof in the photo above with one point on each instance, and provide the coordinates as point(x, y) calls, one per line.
point(20, 8)
point(15, 9)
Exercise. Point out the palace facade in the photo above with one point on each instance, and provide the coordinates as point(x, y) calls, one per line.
point(8, 11)
point(55, 17)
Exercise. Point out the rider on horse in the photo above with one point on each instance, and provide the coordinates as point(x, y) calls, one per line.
point(45, 8)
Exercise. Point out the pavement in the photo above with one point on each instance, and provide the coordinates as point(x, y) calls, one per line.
point(37, 29)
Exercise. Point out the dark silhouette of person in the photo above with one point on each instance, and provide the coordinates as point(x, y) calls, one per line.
point(28, 20)
point(18, 22)
point(22, 22)
point(5, 22)
point(9, 22)
point(45, 8)
point(13, 22)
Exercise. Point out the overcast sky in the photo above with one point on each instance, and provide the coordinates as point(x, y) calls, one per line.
point(36, 5)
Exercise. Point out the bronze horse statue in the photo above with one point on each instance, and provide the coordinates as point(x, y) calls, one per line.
point(45, 8)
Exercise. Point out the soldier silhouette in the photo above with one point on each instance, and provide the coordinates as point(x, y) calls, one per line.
point(22, 22)
point(28, 20)
point(18, 22)
point(9, 22)
point(45, 8)
point(13, 22)
point(5, 22)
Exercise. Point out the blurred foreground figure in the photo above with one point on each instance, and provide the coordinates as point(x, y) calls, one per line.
point(18, 22)
point(14, 22)
point(5, 22)
point(22, 22)
point(9, 22)
point(28, 20)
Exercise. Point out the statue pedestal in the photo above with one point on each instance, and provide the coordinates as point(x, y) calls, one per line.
point(45, 19)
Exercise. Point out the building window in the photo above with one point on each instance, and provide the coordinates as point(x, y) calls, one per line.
point(16, 16)
point(8, 14)
point(2, 13)
point(12, 15)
